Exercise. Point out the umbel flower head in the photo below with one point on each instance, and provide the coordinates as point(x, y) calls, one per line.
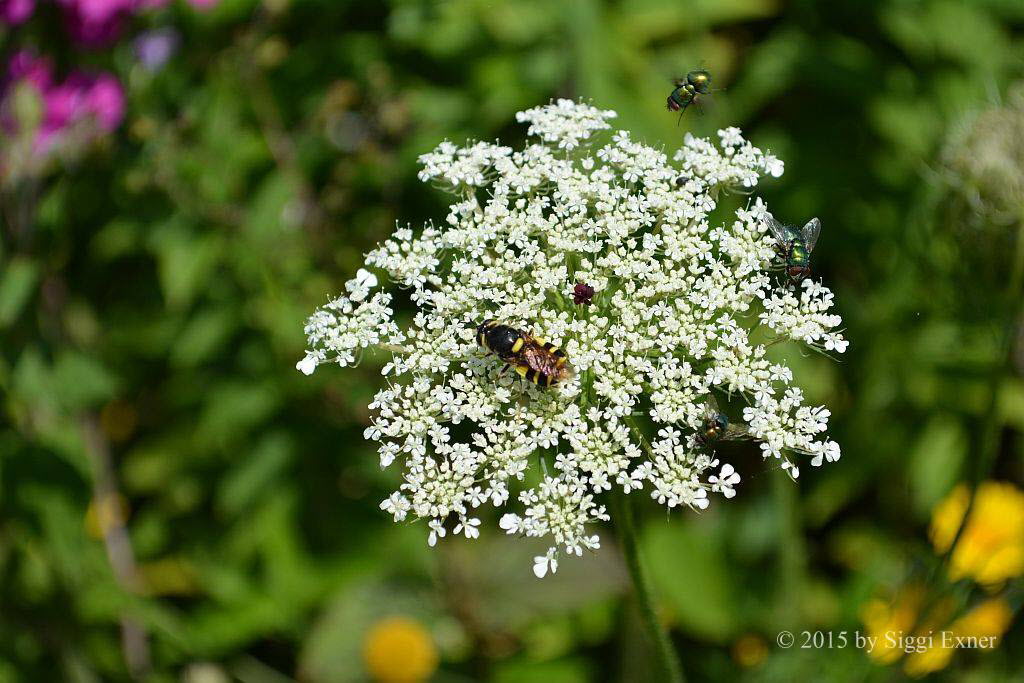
point(672, 324)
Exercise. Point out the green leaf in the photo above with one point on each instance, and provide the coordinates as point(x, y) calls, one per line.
point(234, 407)
point(118, 238)
point(81, 381)
point(1011, 402)
point(690, 569)
point(266, 219)
point(16, 286)
point(205, 334)
point(186, 261)
point(27, 106)
point(936, 461)
point(256, 474)
point(152, 464)
point(571, 670)
point(497, 569)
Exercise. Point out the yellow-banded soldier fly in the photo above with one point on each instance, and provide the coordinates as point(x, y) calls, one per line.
point(532, 358)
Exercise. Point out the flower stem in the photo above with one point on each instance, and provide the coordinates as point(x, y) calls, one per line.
point(792, 548)
point(625, 524)
point(991, 420)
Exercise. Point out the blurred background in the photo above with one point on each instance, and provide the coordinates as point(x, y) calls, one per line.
point(183, 182)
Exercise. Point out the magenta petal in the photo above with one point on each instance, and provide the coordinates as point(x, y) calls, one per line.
point(63, 105)
point(26, 66)
point(100, 11)
point(105, 99)
point(95, 22)
point(16, 11)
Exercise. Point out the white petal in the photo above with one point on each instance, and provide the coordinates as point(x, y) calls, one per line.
point(366, 278)
point(307, 365)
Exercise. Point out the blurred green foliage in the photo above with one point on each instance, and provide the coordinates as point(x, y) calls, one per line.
point(152, 297)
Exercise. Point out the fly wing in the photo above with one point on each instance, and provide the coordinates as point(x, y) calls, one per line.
point(711, 406)
point(705, 103)
point(810, 233)
point(777, 229)
point(538, 359)
point(736, 432)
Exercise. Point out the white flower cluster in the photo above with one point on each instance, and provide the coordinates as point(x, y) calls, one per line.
point(672, 309)
point(565, 123)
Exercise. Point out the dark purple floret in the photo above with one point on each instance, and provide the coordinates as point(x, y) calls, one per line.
point(582, 294)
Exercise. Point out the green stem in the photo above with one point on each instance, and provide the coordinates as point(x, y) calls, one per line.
point(991, 420)
point(792, 550)
point(625, 523)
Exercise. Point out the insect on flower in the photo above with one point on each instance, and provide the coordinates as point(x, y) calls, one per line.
point(794, 246)
point(716, 427)
point(538, 361)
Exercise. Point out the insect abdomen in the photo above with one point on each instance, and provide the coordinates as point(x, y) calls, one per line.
point(798, 254)
point(682, 97)
point(538, 377)
point(558, 353)
point(544, 365)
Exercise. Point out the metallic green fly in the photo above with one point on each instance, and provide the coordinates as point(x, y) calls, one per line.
point(794, 246)
point(688, 90)
point(716, 426)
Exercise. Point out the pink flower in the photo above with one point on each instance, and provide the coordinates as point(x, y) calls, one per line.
point(14, 12)
point(95, 22)
point(105, 100)
point(25, 66)
point(80, 98)
point(62, 106)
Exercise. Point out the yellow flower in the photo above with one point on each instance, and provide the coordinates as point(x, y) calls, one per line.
point(990, 619)
point(991, 547)
point(933, 659)
point(980, 629)
point(399, 650)
point(882, 618)
point(750, 650)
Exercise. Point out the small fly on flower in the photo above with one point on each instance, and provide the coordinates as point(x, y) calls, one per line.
point(538, 361)
point(794, 246)
point(716, 426)
point(689, 91)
